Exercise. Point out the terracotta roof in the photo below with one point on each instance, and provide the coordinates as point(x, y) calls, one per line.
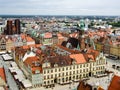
point(32, 45)
point(100, 88)
point(29, 39)
point(115, 83)
point(25, 47)
point(84, 57)
point(38, 45)
point(29, 60)
point(95, 53)
point(79, 58)
point(23, 36)
point(83, 86)
point(36, 68)
point(48, 35)
point(34, 63)
point(2, 74)
point(59, 35)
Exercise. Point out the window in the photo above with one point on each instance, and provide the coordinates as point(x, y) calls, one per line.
point(87, 65)
point(73, 77)
point(74, 67)
point(80, 71)
point(73, 72)
point(66, 73)
point(51, 81)
point(66, 68)
point(47, 71)
point(77, 77)
point(63, 79)
point(63, 68)
point(44, 82)
point(80, 76)
point(81, 66)
point(77, 66)
point(48, 77)
point(51, 71)
point(44, 72)
point(66, 78)
point(55, 75)
point(55, 70)
point(59, 74)
point(83, 75)
point(77, 71)
point(44, 77)
point(51, 76)
point(87, 70)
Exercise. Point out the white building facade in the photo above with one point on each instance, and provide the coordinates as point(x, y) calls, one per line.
point(74, 72)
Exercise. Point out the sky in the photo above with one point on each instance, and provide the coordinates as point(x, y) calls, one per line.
point(59, 7)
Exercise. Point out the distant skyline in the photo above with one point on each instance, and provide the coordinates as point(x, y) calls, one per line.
point(60, 7)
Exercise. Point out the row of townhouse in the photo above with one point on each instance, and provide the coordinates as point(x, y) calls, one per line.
point(54, 69)
point(7, 42)
point(108, 49)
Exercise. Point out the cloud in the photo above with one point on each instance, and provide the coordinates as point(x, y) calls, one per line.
point(60, 7)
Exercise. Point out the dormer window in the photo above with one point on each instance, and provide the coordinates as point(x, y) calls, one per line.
point(55, 65)
point(89, 59)
point(73, 62)
point(37, 71)
point(46, 64)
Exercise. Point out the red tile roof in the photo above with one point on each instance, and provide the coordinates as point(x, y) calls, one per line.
point(79, 58)
point(48, 35)
point(29, 39)
point(100, 88)
point(23, 36)
point(59, 35)
point(2, 74)
point(33, 45)
point(95, 53)
point(31, 61)
point(38, 45)
point(82, 58)
point(83, 86)
point(115, 83)
point(25, 47)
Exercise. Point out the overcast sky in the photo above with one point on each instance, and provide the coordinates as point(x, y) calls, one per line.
point(60, 7)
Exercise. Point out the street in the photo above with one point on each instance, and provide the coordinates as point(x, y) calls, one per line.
point(10, 80)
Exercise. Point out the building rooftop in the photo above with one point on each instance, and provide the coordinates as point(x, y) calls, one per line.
point(7, 57)
point(2, 74)
point(115, 83)
point(34, 63)
point(59, 60)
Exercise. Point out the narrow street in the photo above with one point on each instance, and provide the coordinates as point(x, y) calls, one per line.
point(10, 80)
